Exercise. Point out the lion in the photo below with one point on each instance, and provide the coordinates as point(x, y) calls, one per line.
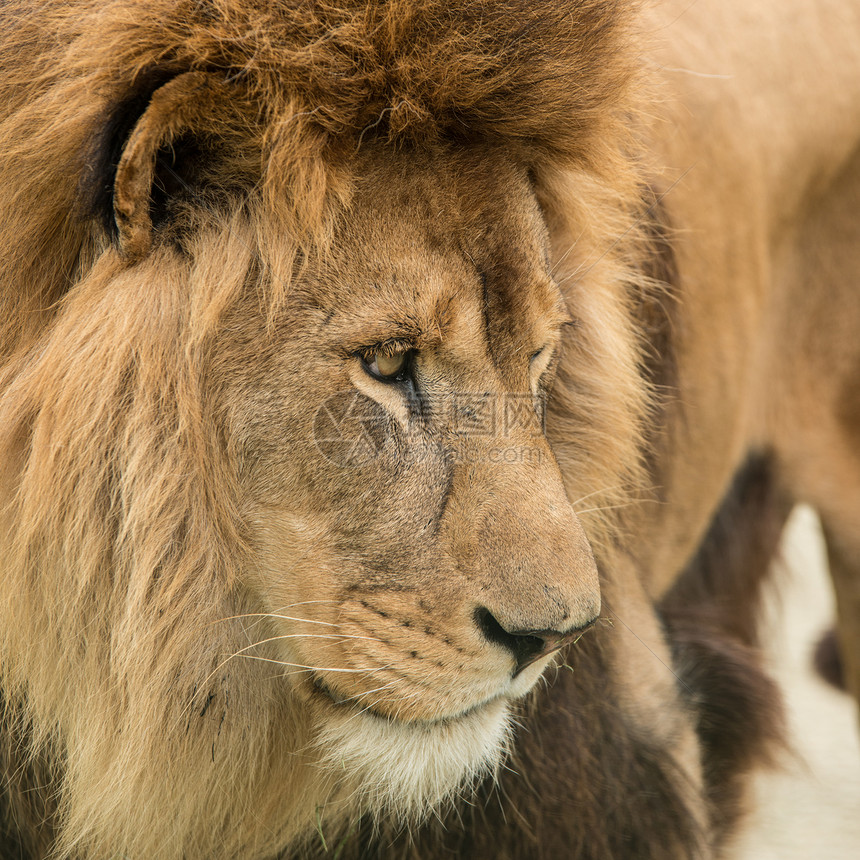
point(380, 382)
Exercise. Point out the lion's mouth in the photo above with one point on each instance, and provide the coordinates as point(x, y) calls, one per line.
point(323, 692)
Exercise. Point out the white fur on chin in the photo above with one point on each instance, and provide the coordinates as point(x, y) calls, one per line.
point(407, 769)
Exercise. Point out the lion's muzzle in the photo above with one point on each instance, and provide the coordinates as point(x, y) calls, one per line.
point(527, 646)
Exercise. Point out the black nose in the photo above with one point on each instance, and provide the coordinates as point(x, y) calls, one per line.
point(525, 645)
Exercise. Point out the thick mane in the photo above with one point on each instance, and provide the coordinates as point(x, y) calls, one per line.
point(122, 540)
point(319, 79)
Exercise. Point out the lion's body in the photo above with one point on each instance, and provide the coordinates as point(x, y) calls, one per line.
point(224, 634)
point(767, 342)
point(772, 148)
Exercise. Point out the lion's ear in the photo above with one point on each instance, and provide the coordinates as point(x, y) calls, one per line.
point(175, 111)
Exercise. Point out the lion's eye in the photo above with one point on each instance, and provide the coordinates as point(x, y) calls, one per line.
point(541, 363)
point(388, 368)
point(541, 358)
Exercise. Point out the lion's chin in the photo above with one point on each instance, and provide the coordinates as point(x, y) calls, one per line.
point(407, 769)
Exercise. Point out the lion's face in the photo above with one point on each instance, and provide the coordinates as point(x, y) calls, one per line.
point(414, 548)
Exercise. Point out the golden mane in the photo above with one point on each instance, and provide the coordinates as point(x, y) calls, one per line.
point(549, 81)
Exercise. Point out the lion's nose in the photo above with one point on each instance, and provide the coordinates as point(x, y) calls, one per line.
point(527, 646)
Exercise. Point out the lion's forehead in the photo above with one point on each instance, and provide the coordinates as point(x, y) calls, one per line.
point(442, 252)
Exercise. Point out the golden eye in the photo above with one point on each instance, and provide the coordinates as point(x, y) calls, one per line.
point(388, 368)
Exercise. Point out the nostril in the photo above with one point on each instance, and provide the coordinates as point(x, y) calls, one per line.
point(526, 646)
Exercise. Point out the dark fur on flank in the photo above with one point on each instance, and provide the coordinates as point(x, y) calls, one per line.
point(711, 618)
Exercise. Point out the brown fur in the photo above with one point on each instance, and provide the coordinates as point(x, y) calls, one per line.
point(215, 216)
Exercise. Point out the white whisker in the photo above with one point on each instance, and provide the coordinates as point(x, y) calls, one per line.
point(274, 615)
point(563, 257)
point(241, 651)
point(302, 666)
point(341, 636)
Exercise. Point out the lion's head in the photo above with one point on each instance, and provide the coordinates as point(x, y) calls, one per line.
point(286, 290)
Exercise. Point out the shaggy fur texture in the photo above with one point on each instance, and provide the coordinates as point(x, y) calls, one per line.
point(224, 633)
